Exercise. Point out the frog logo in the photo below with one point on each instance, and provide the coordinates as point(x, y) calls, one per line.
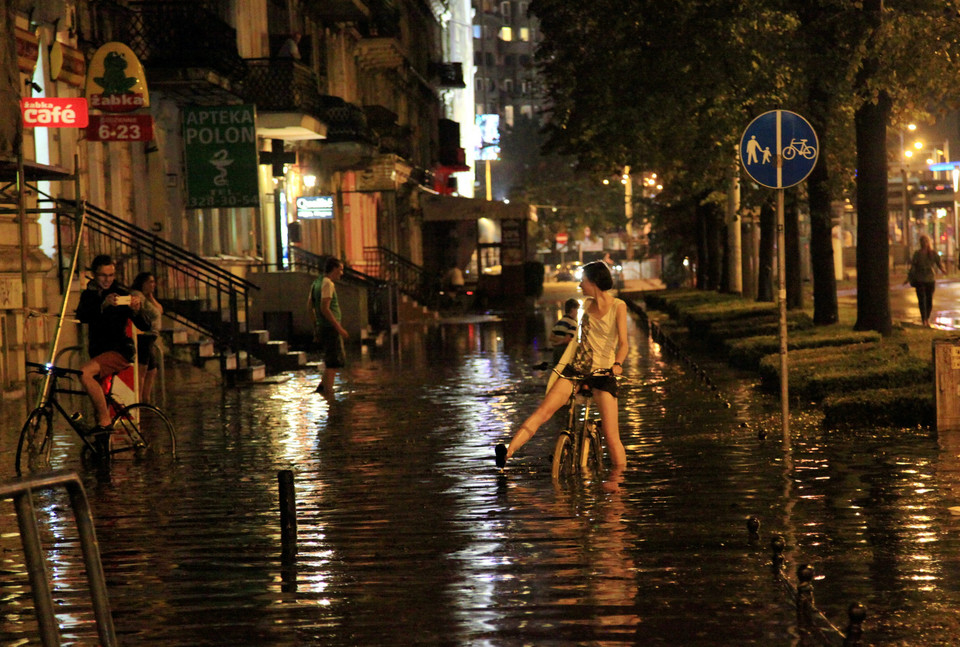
point(115, 80)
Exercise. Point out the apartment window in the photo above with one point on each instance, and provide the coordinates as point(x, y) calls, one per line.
point(508, 85)
point(490, 60)
point(510, 60)
point(508, 115)
point(477, 31)
point(478, 58)
point(524, 87)
point(506, 33)
point(524, 60)
point(522, 10)
point(525, 34)
point(505, 10)
point(491, 85)
point(527, 111)
point(479, 83)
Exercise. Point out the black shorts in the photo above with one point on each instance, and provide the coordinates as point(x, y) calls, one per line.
point(606, 383)
point(330, 346)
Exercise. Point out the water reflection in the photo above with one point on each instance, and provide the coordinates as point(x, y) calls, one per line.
point(408, 534)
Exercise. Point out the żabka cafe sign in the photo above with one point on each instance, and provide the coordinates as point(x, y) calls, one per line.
point(220, 147)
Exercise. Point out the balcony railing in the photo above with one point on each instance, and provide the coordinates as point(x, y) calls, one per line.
point(282, 85)
point(346, 122)
point(183, 34)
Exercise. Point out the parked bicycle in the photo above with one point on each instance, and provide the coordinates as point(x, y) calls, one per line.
point(140, 429)
point(579, 446)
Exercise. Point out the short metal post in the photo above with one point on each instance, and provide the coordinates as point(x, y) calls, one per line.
point(804, 600)
point(753, 527)
point(857, 613)
point(37, 569)
point(778, 544)
point(288, 512)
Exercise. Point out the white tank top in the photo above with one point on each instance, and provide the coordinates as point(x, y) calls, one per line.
point(602, 335)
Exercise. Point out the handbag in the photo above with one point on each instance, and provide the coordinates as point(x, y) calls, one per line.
point(912, 278)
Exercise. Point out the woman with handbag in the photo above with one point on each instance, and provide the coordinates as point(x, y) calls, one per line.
point(922, 276)
point(602, 345)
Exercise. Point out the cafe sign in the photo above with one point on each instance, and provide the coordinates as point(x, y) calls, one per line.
point(54, 112)
point(116, 81)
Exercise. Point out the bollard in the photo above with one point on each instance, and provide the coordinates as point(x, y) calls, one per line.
point(753, 527)
point(288, 512)
point(804, 600)
point(857, 613)
point(778, 544)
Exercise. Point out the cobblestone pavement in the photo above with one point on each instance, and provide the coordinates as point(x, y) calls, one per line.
point(408, 535)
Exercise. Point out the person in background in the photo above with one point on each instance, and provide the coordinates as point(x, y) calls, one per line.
point(106, 307)
point(564, 330)
point(148, 349)
point(328, 332)
point(923, 268)
point(291, 47)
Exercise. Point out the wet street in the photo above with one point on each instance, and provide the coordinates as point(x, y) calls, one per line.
point(409, 535)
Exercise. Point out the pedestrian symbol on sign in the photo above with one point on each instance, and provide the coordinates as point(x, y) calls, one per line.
point(752, 147)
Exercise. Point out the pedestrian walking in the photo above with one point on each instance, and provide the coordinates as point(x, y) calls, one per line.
point(602, 345)
point(106, 308)
point(922, 276)
point(149, 355)
point(328, 333)
point(564, 330)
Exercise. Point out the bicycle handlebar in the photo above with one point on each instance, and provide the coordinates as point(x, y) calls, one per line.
point(59, 371)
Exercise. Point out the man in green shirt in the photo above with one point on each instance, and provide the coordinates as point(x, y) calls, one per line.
point(327, 331)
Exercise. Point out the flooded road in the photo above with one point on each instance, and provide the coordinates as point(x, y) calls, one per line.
point(409, 535)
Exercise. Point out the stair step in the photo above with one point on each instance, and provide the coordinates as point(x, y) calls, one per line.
point(275, 348)
point(247, 374)
point(254, 337)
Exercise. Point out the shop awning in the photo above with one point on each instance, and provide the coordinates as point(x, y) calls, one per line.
point(442, 207)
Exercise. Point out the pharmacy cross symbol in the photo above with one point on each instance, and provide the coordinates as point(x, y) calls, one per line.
point(779, 131)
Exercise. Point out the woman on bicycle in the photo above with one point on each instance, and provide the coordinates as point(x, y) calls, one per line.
point(602, 335)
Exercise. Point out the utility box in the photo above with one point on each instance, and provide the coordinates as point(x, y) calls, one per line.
point(946, 364)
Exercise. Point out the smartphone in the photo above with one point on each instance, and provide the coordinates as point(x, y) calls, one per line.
point(123, 300)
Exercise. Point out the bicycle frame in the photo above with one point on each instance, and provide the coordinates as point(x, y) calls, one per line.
point(50, 401)
point(580, 432)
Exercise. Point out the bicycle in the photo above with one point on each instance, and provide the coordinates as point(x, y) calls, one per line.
point(803, 149)
point(142, 428)
point(579, 446)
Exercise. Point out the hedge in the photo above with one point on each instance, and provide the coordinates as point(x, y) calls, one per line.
point(723, 331)
point(905, 406)
point(747, 353)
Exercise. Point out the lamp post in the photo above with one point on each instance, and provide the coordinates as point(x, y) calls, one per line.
point(956, 185)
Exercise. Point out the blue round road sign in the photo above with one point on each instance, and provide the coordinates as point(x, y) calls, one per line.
point(779, 149)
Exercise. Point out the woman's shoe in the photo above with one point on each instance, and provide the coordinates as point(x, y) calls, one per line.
point(501, 455)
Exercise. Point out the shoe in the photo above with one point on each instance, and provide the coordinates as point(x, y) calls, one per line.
point(501, 455)
point(319, 388)
point(101, 440)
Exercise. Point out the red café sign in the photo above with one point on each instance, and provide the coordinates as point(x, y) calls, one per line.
point(54, 112)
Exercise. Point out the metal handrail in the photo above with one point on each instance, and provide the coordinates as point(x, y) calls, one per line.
point(21, 493)
point(198, 293)
point(409, 277)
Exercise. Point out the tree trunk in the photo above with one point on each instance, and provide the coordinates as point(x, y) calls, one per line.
point(703, 253)
point(825, 310)
point(791, 232)
point(873, 244)
point(768, 234)
point(749, 260)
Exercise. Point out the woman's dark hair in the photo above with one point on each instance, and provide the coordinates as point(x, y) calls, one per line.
point(332, 263)
point(598, 273)
point(140, 280)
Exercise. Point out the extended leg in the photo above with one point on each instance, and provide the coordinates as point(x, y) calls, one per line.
point(555, 399)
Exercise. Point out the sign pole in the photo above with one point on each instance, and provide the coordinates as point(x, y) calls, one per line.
point(782, 301)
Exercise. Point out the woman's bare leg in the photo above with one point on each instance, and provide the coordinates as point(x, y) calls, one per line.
point(555, 399)
point(607, 404)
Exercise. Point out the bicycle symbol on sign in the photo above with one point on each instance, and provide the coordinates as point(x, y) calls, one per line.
point(801, 148)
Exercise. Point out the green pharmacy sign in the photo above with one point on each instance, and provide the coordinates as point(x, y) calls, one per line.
point(220, 145)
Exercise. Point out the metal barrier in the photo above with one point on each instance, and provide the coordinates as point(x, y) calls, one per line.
point(21, 493)
point(812, 624)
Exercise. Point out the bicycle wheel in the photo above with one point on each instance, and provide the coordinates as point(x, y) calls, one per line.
point(563, 460)
point(592, 451)
point(789, 153)
point(150, 432)
point(36, 442)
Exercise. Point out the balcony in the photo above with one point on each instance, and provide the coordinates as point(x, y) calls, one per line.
point(394, 138)
point(381, 53)
point(287, 97)
point(448, 75)
point(350, 143)
point(187, 51)
point(331, 11)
